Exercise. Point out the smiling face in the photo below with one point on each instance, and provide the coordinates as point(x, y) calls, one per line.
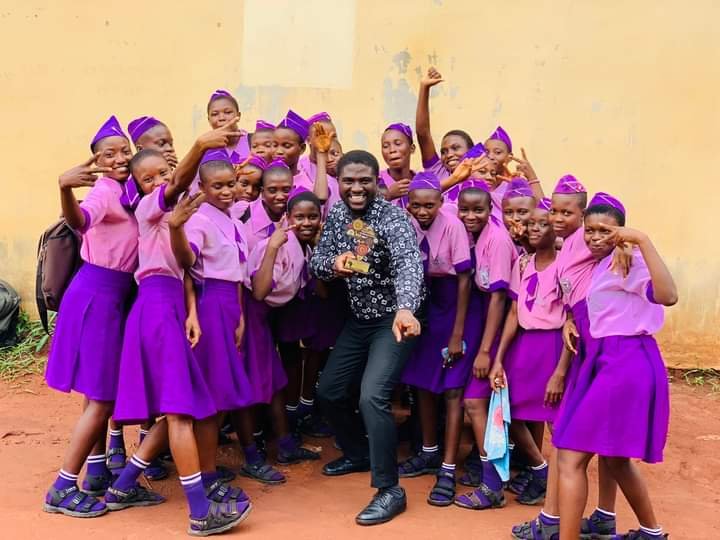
point(396, 149)
point(517, 210)
point(217, 181)
point(497, 151)
point(114, 152)
point(358, 186)
point(305, 216)
point(221, 111)
point(262, 144)
point(151, 172)
point(566, 213)
point(598, 234)
point(452, 149)
point(474, 209)
point(541, 234)
point(277, 184)
point(157, 138)
point(249, 180)
point(424, 205)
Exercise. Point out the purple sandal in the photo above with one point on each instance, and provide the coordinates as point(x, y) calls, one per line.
point(482, 498)
point(536, 530)
point(73, 502)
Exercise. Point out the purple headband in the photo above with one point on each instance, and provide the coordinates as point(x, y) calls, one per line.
point(544, 204)
point(217, 94)
point(568, 184)
point(262, 125)
point(606, 198)
point(277, 164)
point(257, 161)
point(501, 135)
point(216, 154)
point(475, 152)
point(139, 126)
point(402, 128)
point(475, 183)
point(297, 123)
point(518, 188)
point(111, 128)
point(319, 117)
point(297, 190)
point(425, 180)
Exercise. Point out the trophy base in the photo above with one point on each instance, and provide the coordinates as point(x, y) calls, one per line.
point(356, 265)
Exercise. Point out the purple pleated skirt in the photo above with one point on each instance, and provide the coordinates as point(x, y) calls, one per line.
point(295, 320)
point(220, 361)
point(424, 368)
point(85, 350)
point(529, 363)
point(478, 307)
point(159, 373)
point(619, 405)
point(261, 359)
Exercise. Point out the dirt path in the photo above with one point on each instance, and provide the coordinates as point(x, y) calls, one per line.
point(35, 423)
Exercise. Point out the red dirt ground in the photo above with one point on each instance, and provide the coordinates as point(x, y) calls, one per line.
point(35, 423)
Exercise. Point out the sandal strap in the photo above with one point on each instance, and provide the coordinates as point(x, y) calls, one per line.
point(115, 451)
point(414, 463)
point(59, 495)
point(77, 500)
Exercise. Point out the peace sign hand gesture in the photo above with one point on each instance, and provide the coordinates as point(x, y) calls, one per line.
point(84, 175)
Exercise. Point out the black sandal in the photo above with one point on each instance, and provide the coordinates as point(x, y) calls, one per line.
point(296, 456)
point(418, 465)
point(443, 492)
point(221, 517)
point(220, 493)
point(80, 506)
point(115, 467)
point(262, 472)
point(135, 496)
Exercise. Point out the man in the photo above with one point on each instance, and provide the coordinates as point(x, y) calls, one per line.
point(371, 244)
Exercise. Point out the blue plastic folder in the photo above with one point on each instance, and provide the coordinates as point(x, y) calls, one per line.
point(497, 440)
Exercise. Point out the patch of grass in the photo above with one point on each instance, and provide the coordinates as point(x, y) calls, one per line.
point(26, 356)
point(709, 378)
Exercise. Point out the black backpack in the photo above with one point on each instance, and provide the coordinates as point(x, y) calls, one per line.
point(58, 259)
point(9, 313)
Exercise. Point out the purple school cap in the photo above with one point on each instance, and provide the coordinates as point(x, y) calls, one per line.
point(220, 93)
point(277, 164)
point(424, 180)
point(262, 125)
point(475, 183)
point(501, 135)
point(544, 204)
point(568, 184)
point(475, 152)
point(518, 188)
point(297, 190)
point(297, 123)
point(319, 117)
point(257, 161)
point(111, 128)
point(216, 154)
point(606, 198)
point(137, 127)
point(402, 128)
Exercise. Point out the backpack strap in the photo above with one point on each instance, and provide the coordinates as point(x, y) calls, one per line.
point(39, 295)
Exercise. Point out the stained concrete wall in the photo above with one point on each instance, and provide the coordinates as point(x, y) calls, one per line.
point(622, 94)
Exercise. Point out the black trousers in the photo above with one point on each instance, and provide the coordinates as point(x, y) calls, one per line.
point(366, 352)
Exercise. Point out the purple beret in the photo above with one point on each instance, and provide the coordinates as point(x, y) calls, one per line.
point(297, 190)
point(501, 135)
point(257, 161)
point(475, 183)
point(217, 94)
point(568, 184)
point(425, 180)
point(216, 154)
point(319, 117)
point(277, 164)
point(262, 125)
point(297, 123)
point(475, 152)
point(544, 204)
point(606, 198)
point(518, 188)
point(402, 128)
point(111, 128)
point(137, 127)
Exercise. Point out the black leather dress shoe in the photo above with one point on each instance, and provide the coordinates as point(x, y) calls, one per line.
point(385, 505)
point(345, 465)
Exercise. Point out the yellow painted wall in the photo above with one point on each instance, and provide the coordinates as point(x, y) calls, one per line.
point(622, 94)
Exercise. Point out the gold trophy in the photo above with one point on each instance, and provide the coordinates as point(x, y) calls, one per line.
point(365, 239)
